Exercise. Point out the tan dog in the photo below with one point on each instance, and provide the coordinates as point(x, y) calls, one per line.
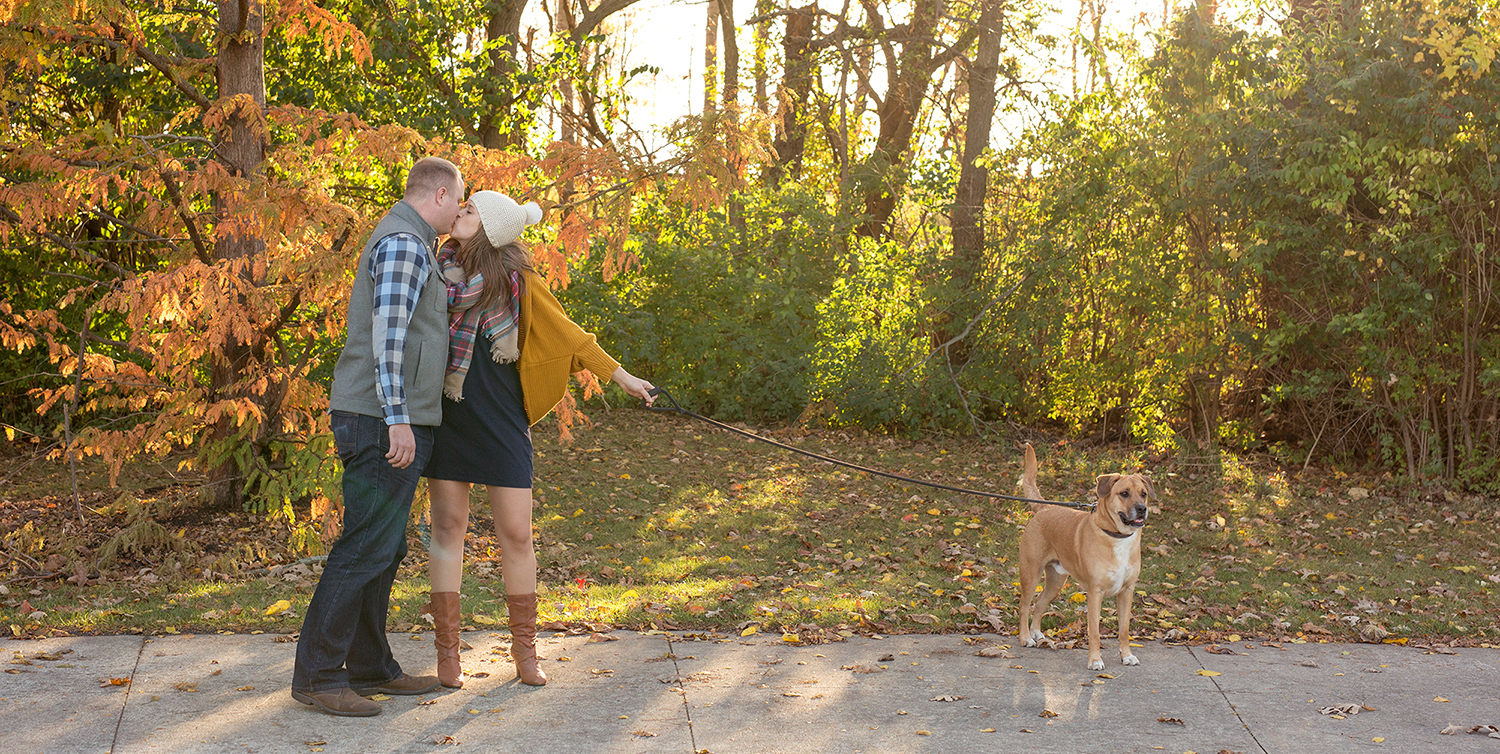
point(1101, 549)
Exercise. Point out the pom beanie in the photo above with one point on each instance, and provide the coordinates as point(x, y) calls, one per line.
point(502, 218)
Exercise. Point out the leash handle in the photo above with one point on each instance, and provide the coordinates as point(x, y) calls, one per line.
point(671, 404)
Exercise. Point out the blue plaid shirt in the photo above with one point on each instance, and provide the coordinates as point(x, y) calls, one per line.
point(399, 267)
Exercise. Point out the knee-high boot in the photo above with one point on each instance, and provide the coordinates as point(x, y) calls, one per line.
point(446, 619)
point(522, 613)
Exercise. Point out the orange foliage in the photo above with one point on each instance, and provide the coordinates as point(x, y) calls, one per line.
point(199, 313)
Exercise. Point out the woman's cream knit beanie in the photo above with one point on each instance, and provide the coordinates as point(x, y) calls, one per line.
point(502, 218)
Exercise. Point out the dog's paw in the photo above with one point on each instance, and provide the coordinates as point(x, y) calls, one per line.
point(1031, 641)
point(1096, 664)
point(1130, 659)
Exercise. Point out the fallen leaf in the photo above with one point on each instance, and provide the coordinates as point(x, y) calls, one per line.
point(379, 697)
point(642, 733)
point(750, 629)
point(1451, 729)
point(923, 733)
point(1340, 709)
point(986, 730)
point(1493, 731)
point(1440, 699)
point(278, 606)
point(1171, 720)
point(244, 688)
point(1209, 673)
point(1378, 739)
point(1000, 652)
point(947, 698)
point(1046, 713)
point(441, 739)
point(114, 682)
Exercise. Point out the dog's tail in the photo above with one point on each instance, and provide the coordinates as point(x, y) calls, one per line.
point(1028, 476)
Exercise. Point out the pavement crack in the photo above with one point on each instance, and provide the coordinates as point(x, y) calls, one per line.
point(115, 740)
point(682, 691)
point(1232, 708)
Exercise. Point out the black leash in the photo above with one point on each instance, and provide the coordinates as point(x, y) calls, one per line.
point(674, 407)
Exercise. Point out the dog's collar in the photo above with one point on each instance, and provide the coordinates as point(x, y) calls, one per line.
point(1116, 534)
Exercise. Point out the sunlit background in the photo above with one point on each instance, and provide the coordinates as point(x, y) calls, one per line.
point(668, 36)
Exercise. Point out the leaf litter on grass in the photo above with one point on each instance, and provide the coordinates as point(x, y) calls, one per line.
point(708, 531)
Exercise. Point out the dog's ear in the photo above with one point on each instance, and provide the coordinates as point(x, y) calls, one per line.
point(1106, 483)
point(1150, 490)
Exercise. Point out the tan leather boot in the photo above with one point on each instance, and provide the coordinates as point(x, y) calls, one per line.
point(522, 609)
point(446, 619)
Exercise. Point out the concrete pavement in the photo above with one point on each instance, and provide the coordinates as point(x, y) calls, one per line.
point(689, 693)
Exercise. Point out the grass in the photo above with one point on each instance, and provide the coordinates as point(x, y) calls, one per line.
point(651, 521)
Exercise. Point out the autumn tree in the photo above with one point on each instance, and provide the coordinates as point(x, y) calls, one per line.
point(207, 231)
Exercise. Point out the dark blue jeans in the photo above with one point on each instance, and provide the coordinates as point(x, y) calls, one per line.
point(343, 634)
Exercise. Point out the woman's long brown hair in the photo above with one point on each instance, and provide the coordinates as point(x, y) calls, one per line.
point(478, 255)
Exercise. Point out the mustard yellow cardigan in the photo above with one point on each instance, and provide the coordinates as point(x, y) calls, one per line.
point(553, 347)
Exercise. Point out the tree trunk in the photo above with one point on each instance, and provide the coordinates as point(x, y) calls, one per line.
point(504, 23)
point(567, 107)
point(882, 176)
point(731, 56)
point(711, 58)
point(973, 177)
point(796, 85)
point(241, 150)
point(762, 43)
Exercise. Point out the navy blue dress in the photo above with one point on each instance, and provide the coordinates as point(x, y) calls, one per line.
point(484, 438)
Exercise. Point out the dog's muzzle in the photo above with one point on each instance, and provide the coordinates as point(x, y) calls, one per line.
point(1136, 517)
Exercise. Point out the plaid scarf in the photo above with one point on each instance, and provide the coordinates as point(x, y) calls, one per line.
point(465, 320)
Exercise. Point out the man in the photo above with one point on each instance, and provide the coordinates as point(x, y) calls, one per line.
point(386, 400)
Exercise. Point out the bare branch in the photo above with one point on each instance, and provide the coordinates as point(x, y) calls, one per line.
point(165, 66)
point(173, 191)
point(592, 17)
point(967, 328)
point(10, 216)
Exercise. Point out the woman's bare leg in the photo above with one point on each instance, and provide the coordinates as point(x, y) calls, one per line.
point(450, 521)
point(512, 510)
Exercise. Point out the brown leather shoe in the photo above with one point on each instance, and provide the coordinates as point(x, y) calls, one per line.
point(406, 685)
point(342, 702)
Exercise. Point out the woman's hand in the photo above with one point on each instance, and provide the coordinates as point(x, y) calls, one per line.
point(634, 385)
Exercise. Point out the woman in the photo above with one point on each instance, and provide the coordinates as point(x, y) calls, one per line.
point(512, 350)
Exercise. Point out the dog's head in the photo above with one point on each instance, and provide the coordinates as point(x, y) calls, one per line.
point(1123, 500)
